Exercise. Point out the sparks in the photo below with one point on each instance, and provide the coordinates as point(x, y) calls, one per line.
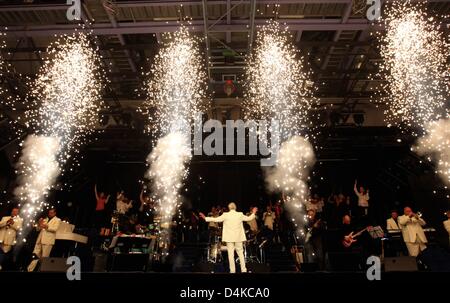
point(279, 87)
point(177, 91)
point(414, 65)
point(177, 86)
point(278, 84)
point(66, 99)
point(436, 146)
point(295, 159)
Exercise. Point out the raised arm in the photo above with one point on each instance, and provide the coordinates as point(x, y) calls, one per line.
point(214, 219)
point(447, 226)
point(403, 220)
point(248, 218)
point(355, 188)
point(96, 193)
point(141, 196)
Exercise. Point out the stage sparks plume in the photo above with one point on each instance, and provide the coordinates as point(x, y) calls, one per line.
point(167, 170)
point(177, 89)
point(278, 83)
point(414, 52)
point(66, 99)
point(436, 146)
point(279, 88)
point(177, 92)
point(289, 176)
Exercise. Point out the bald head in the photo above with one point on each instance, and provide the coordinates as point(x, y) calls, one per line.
point(232, 206)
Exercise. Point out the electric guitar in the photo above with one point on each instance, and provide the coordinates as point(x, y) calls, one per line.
point(350, 238)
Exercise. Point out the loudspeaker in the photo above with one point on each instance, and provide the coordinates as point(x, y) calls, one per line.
point(400, 264)
point(435, 259)
point(258, 268)
point(54, 265)
point(100, 262)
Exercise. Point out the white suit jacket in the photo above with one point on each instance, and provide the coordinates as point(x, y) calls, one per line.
point(392, 225)
point(233, 229)
point(47, 236)
point(412, 229)
point(8, 233)
point(447, 226)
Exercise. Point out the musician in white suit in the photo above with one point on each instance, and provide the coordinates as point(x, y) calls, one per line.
point(46, 238)
point(9, 226)
point(392, 222)
point(233, 233)
point(412, 231)
point(447, 225)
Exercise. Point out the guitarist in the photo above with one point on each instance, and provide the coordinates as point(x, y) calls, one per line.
point(313, 241)
point(352, 236)
point(350, 245)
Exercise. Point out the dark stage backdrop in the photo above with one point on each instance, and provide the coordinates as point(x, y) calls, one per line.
point(393, 174)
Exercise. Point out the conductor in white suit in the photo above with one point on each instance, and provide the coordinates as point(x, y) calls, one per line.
point(233, 233)
point(9, 226)
point(412, 231)
point(46, 238)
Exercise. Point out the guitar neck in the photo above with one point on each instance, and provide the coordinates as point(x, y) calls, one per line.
point(360, 232)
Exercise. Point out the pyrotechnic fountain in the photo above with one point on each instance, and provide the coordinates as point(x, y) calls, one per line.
point(279, 88)
point(415, 53)
point(64, 103)
point(177, 90)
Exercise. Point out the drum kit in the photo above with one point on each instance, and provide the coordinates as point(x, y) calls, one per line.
point(253, 249)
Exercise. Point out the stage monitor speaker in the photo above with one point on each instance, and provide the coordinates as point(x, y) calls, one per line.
point(54, 265)
point(100, 262)
point(258, 268)
point(400, 264)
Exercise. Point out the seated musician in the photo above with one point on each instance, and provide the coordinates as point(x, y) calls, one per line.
point(392, 222)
